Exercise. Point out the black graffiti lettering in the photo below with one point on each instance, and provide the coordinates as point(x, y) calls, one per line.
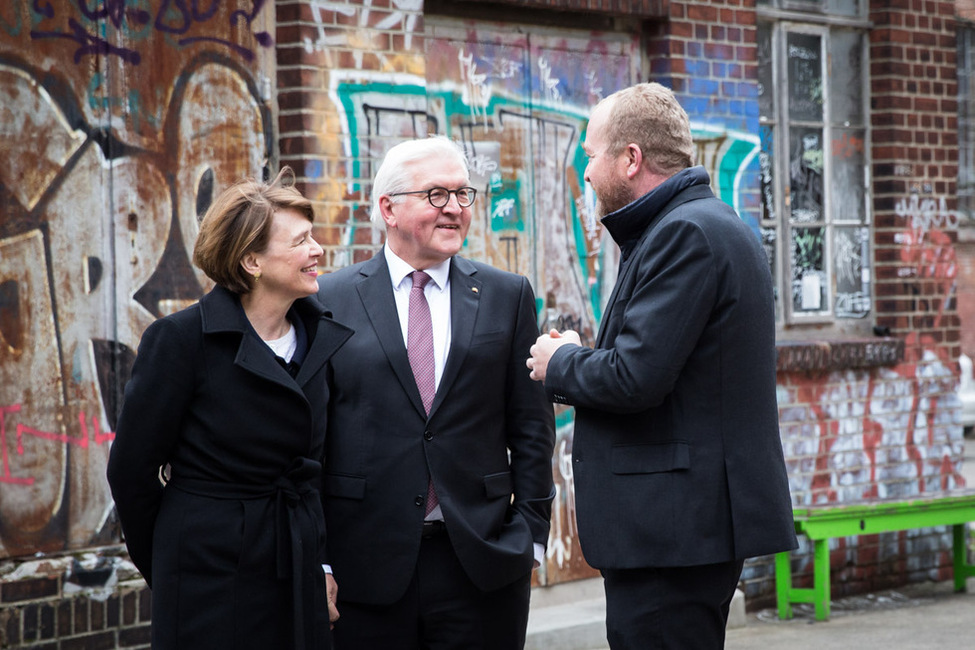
point(175, 17)
point(115, 11)
point(90, 44)
point(44, 8)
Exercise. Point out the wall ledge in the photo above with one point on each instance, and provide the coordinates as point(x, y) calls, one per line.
point(824, 356)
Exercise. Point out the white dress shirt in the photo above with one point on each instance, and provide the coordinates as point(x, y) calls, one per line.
point(437, 293)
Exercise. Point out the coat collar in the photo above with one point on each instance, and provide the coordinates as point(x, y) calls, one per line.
point(221, 311)
point(627, 225)
point(632, 225)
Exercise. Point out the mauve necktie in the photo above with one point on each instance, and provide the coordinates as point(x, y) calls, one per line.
point(419, 348)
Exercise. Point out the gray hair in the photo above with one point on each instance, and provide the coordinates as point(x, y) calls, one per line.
point(395, 172)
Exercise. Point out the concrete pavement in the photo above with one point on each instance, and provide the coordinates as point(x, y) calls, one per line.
point(915, 617)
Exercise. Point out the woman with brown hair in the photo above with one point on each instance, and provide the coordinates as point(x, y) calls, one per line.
point(231, 395)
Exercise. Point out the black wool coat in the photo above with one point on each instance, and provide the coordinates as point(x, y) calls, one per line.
point(676, 456)
point(232, 545)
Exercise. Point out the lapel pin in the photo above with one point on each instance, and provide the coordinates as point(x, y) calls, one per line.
point(475, 289)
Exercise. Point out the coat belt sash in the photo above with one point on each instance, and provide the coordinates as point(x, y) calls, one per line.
point(296, 488)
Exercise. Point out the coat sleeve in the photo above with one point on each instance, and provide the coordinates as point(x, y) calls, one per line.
point(651, 329)
point(156, 399)
point(530, 423)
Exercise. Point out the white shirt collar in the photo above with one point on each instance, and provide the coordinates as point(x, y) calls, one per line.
point(399, 269)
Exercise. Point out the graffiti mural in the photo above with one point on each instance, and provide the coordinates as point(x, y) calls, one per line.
point(891, 432)
point(519, 104)
point(119, 123)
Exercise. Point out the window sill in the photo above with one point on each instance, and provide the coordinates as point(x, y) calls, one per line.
point(798, 356)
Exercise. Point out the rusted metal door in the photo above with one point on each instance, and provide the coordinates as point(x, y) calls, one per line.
point(519, 99)
point(118, 122)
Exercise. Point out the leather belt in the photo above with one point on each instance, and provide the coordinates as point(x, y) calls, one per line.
point(433, 528)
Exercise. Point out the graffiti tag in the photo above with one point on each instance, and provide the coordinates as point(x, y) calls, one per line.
point(172, 18)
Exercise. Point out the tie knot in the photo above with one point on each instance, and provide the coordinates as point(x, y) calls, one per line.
point(420, 279)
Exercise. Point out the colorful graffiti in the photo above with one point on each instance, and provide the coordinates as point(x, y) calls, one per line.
point(108, 166)
point(519, 104)
point(110, 162)
point(890, 432)
point(184, 25)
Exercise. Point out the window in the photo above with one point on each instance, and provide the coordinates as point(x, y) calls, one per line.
point(814, 159)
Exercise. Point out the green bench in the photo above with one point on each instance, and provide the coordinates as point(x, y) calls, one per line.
point(822, 522)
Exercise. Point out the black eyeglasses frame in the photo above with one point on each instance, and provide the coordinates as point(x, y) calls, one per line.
point(429, 194)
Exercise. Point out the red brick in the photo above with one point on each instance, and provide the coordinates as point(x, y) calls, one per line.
point(29, 589)
point(46, 624)
point(96, 610)
point(81, 620)
point(134, 636)
point(129, 608)
point(145, 605)
point(64, 617)
point(30, 622)
point(99, 641)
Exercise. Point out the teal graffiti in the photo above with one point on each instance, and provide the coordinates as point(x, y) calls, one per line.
point(505, 214)
point(12, 28)
point(131, 103)
point(735, 169)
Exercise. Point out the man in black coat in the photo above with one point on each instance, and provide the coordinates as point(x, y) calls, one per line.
point(438, 486)
point(677, 460)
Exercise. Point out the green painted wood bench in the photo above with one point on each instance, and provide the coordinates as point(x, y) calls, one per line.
point(820, 523)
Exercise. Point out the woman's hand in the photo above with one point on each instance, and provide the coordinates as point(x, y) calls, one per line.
point(332, 594)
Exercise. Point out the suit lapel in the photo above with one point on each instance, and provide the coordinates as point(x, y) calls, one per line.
point(376, 293)
point(465, 295)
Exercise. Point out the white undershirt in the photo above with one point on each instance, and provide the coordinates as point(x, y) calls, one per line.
point(285, 346)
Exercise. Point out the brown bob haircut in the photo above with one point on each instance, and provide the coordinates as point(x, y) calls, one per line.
point(238, 222)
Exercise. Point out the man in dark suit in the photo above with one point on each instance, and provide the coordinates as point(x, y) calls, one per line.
point(438, 473)
point(677, 460)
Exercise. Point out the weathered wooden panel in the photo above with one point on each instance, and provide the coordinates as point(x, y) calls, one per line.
point(119, 121)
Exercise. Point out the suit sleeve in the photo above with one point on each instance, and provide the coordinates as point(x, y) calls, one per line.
point(156, 398)
point(651, 330)
point(530, 423)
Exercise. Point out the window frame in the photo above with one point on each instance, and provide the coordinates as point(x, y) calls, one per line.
point(782, 23)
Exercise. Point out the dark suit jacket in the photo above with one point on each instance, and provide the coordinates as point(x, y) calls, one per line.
point(208, 397)
point(382, 447)
point(676, 456)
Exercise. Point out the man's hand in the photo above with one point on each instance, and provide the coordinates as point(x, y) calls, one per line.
point(545, 346)
point(332, 593)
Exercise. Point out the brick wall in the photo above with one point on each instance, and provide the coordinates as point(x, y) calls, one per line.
point(88, 602)
point(707, 53)
point(850, 429)
point(915, 168)
point(312, 41)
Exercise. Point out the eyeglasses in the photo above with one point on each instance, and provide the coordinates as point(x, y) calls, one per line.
point(440, 196)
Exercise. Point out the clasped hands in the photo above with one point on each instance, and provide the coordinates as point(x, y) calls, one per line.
point(545, 346)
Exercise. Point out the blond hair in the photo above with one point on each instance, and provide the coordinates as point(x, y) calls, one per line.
point(649, 115)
